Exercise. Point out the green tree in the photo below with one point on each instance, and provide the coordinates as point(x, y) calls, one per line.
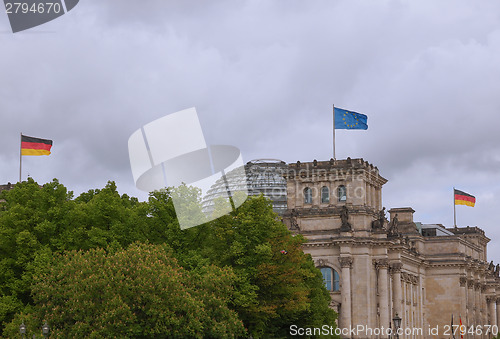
point(30, 217)
point(277, 284)
point(102, 217)
point(140, 292)
point(37, 221)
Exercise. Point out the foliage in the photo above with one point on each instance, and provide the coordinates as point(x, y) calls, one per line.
point(38, 221)
point(274, 284)
point(140, 292)
point(274, 289)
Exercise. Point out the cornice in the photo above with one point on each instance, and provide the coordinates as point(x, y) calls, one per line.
point(318, 245)
point(332, 211)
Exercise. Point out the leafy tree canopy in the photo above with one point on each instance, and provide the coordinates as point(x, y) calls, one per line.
point(275, 283)
point(139, 292)
point(38, 221)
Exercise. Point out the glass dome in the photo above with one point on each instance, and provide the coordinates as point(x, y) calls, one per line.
point(263, 176)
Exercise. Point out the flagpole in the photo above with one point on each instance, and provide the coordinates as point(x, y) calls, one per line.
point(452, 331)
point(20, 156)
point(454, 209)
point(334, 158)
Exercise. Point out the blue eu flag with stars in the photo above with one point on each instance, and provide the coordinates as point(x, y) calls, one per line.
point(345, 119)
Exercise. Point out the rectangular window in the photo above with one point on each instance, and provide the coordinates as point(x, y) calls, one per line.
point(325, 195)
point(342, 193)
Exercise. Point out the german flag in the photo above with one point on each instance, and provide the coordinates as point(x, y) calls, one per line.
point(462, 198)
point(460, 328)
point(35, 146)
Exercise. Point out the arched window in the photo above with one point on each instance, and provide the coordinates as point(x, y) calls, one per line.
point(307, 195)
point(325, 195)
point(331, 279)
point(336, 281)
point(342, 193)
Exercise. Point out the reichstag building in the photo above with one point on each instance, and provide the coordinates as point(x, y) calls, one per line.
point(383, 265)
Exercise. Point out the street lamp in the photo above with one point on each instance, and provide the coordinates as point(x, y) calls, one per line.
point(397, 323)
point(46, 330)
point(22, 329)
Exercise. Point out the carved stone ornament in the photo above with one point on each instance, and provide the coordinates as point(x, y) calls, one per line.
point(477, 286)
point(463, 281)
point(470, 283)
point(381, 263)
point(345, 262)
point(396, 267)
point(393, 227)
point(490, 299)
point(380, 221)
point(344, 217)
point(483, 288)
point(335, 305)
point(322, 263)
point(294, 225)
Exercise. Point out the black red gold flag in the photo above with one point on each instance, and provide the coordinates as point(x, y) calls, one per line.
point(462, 198)
point(35, 146)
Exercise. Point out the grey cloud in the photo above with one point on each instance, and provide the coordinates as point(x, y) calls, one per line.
point(263, 77)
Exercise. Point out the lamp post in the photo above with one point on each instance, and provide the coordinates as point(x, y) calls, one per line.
point(45, 330)
point(22, 330)
point(397, 323)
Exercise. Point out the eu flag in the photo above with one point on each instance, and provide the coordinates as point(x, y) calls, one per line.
point(345, 119)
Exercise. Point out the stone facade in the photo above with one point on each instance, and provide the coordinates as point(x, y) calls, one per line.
point(423, 273)
point(8, 186)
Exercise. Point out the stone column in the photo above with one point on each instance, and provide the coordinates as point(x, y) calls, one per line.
point(374, 198)
point(491, 310)
point(368, 194)
point(396, 288)
point(498, 311)
point(477, 300)
point(471, 320)
point(463, 298)
point(404, 300)
point(345, 292)
point(383, 300)
point(484, 305)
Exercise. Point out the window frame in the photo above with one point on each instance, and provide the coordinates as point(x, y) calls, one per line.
point(333, 284)
point(307, 196)
point(327, 200)
point(341, 193)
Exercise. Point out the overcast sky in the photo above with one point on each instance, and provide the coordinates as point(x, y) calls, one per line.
point(263, 76)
